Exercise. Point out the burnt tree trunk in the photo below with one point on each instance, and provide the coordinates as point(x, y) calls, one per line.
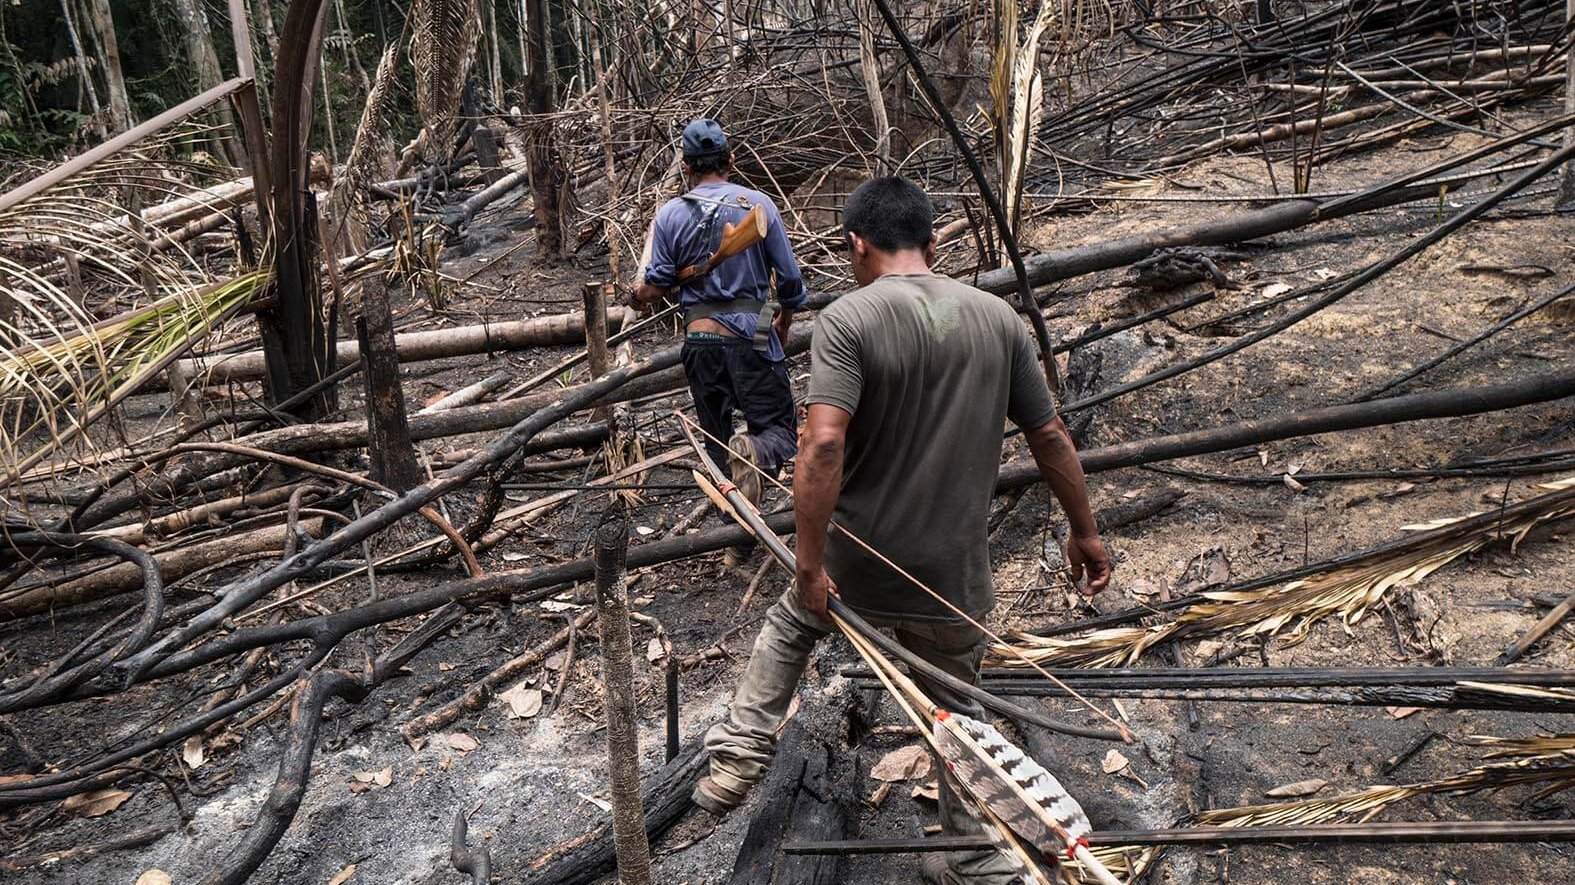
point(623, 739)
point(393, 456)
point(807, 798)
point(1566, 197)
point(109, 48)
point(204, 61)
point(547, 175)
point(596, 354)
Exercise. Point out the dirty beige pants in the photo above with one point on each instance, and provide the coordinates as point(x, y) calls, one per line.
point(742, 745)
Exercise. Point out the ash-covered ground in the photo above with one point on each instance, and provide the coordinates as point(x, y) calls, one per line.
point(384, 807)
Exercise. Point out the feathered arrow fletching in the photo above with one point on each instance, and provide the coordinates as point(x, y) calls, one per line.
point(1005, 841)
point(1013, 786)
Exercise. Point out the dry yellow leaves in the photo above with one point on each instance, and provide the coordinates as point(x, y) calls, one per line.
point(462, 742)
point(343, 876)
point(153, 877)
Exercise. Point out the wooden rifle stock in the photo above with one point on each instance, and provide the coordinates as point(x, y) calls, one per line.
point(751, 229)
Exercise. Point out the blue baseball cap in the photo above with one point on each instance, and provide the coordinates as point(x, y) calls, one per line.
point(703, 137)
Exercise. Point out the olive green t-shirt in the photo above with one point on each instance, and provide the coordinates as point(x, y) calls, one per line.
point(930, 369)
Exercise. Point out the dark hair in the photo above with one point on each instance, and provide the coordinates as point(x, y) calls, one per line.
point(709, 164)
point(891, 212)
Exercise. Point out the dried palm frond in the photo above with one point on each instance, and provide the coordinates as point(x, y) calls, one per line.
point(1004, 48)
point(347, 197)
point(110, 238)
point(1546, 760)
point(53, 386)
point(442, 47)
point(1293, 608)
point(1027, 104)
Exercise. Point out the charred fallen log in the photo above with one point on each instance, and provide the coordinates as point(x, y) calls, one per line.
point(588, 857)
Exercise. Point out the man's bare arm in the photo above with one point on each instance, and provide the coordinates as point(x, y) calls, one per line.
point(1063, 472)
point(817, 481)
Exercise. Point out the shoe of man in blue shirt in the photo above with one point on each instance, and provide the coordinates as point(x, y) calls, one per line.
point(729, 366)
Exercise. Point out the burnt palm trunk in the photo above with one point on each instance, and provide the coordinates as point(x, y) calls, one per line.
point(393, 456)
point(295, 338)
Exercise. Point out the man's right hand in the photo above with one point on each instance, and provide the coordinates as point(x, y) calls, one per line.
point(646, 296)
point(1087, 557)
point(815, 588)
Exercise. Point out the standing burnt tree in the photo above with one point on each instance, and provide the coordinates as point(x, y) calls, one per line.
point(548, 177)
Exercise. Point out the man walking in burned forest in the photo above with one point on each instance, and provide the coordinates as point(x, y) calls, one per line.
point(914, 376)
point(732, 351)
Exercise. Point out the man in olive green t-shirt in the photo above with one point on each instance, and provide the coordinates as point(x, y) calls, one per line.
point(913, 377)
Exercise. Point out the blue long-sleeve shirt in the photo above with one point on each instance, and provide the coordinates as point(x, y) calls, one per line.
point(679, 238)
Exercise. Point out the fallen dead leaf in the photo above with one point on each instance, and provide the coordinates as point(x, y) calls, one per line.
point(555, 661)
point(343, 876)
point(603, 804)
point(1291, 483)
point(384, 777)
point(193, 753)
point(462, 742)
point(929, 790)
point(96, 803)
point(877, 798)
point(1275, 289)
point(1114, 762)
point(446, 666)
point(902, 764)
point(1143, 587)
point(153, 877)
point(1298, 789)
point(1402, 712)
point(654, 651)
point(1398, 490)
point(523, 702)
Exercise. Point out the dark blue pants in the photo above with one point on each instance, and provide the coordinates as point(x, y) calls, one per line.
point(729, 374)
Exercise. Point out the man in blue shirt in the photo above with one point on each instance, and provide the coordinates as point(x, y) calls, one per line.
point(733, 353)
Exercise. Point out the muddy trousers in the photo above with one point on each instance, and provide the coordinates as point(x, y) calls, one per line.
point(742, 745)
